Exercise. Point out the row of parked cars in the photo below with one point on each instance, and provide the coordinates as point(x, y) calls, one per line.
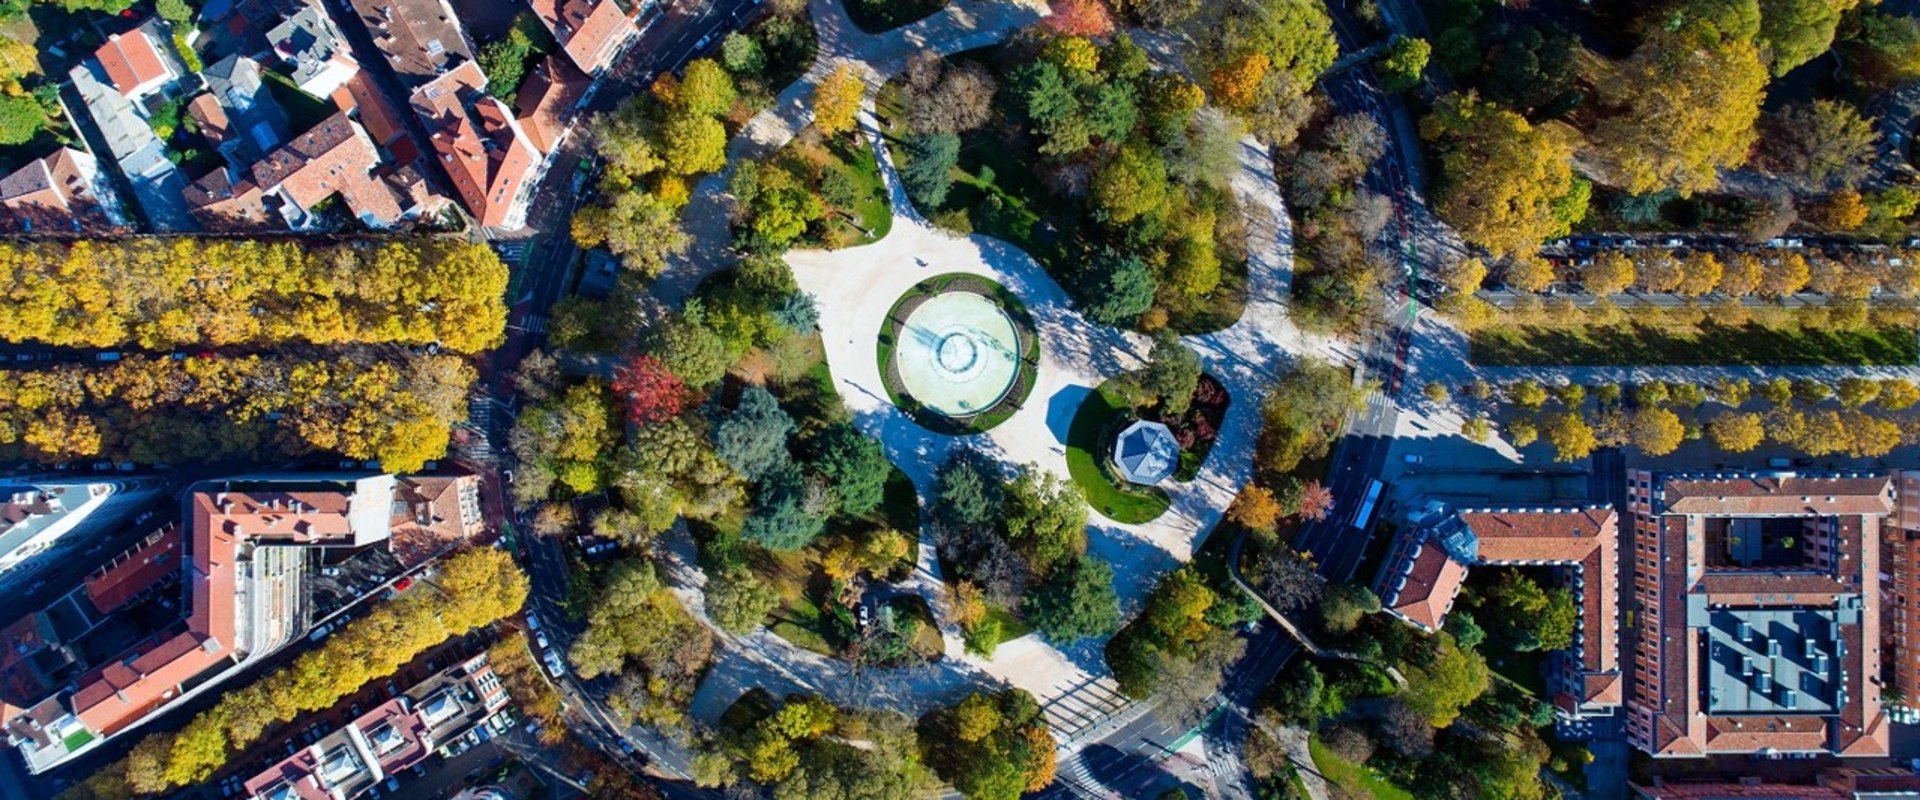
point(549, 655)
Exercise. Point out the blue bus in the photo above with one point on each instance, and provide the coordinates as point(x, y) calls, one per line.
point(1363, 516)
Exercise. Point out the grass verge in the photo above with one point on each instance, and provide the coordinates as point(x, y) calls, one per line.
point(1707, 344)
point(1355, 778)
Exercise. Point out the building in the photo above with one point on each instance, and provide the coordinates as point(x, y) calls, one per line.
point(592, 32)
point(65, 192)
point(1146, 453)
point(483, 149)
point(1759, 613)
point(196, 601)
point(120, 119)
point(253, 123)
point(546, 100)
point(391, 737)
point(1834, 784)
point(1430, 563)
point(335, 159)
point(313, 48)
point(420, 38)
point(133, 64)
point(43, 519)
point(1900, 587)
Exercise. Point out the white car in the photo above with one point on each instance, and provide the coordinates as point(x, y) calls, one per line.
point(540, 639)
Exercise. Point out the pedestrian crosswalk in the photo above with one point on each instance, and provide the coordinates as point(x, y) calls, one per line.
point(534, 324)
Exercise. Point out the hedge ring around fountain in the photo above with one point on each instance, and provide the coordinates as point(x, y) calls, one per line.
point(957, 353)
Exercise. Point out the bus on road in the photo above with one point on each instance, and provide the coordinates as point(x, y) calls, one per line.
point(1363, 515)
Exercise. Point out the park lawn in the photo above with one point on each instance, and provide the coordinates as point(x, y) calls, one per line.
point(1356, 778)
point(1525, 670)
point(872, 213)
point(798, 619)
point(1706, 345)
point(879, 16)
point(1084, 446)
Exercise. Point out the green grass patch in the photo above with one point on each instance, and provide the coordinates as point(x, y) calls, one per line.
point(1086, 463)
point(872, 213)
point(799, 618)
point(1525, 670)
point(77, 740)
point(1357, 778)
point(1707, 344)
point(878, 16)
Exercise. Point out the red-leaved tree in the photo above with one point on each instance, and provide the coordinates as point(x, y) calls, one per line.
point(1079, 18)
point(653, 393)
point(1316, 501)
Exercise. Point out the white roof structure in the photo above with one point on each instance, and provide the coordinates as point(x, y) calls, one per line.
point(1146, 453)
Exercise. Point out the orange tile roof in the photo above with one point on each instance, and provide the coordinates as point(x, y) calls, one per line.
point(1586, 538)
point(546, 98)
point(1794, 495)
point(377, 115)
point(485, 153)
point(205, 109)
point(54, 192)
point(130, 60)
point(219, 203)
point(591, 31)
point(1739, 791)
point(336, 157)
point(1430, 586)
point(154, 560)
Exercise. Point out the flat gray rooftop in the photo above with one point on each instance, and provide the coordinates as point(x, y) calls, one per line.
point(1773, 661)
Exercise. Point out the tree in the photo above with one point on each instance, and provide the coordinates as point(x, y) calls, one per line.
point(639, 227)
point(928, 172)
point(1236, 84)
point(1046, 518)
point(693, 143)
point(1316, 501)
point(1689, 97)
point(1405, 59)
point(753, 437)
point(1736, 432)
point(1529, 273)
point(1656, 430)
point(1898, 394)
point(857, 467)
point(1844, 210)
point(652, 392)
point(1076, 601)
point(21, 118)
point(1440, 686)
point(1302, 415)
point(1172, 371)
point(1699, 274)
point(1132, 185)
point(742, 55)
point(955, 98)
point(1508, 185)
point(705, 90)
point(1345, 605)
point(836, 101)
point(1571, 437)
point(1289, 580)
point(1799, 30)
point(739, 601)
point(1255, 508)
point(1610, 273)
point(1825, 142)
point(1527, 393)
point(1789, 276)
point(1078, 18)
point(1531, 617)
point(1120, 288)
point(1888, 47)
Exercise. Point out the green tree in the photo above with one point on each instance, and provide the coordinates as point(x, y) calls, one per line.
point(1827, 142)
point(1440, 686)
point(1076, 601)
point(1572, 438)
point(927, 175)
point(1799, 30)
point(705, 90)
point(1172, 372)
point(742, 55)
point(1120, 287)
point(753, 437)
point(21, 118)
point(1403, 62)
point(1131, 186)
point(1046, 518)
point(857, 467)
point(639, 227)
point(1888, 47)
point(739, 601)
point(693, 143)
point(1533, 618)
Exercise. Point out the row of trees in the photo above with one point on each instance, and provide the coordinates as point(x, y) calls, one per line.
point(1340, 267)
point(1773, 274)
point(1814, 417)
point(474, 589)
point(1180, 645)
point(154, 409)
point(160, 293)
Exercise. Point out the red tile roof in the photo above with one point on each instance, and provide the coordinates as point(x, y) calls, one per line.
point(152, 561)
point(1584, 538)
point(131, 61)
point(1430, 586)
point(1791, 495)
point(54, 193)
point(376, 114)
point(336, 157)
